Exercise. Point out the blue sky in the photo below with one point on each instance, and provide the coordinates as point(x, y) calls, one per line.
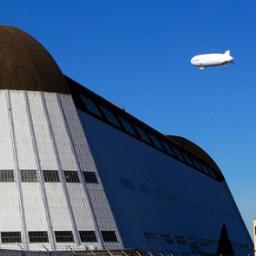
point(137, 53)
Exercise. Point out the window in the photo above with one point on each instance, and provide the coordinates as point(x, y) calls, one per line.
point(28, 175)
point(6, 176)
point(187, 159)
point(109, 236)
point(203, 167)
point(156, 142)
point(51, 176)
point(167, 148)
point(91, 106)
point(71, 176)
point(11, 237)
point(196, 164)
point(127, 126)
point(150, 236)
point(90, 177)
point(180, 240)
point(64, 236)
point(178, 154)
point(127, 183)
point(110, 117)
point(167, 238)
point(143, 135)
point(38, 236)
point(87, 236)
point(211, 172)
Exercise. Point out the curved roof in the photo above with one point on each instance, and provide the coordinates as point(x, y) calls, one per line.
point(196, 151)
point(26, 65)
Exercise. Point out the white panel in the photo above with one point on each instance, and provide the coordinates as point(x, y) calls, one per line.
point(24, 146)
point(6, 153)
point(81, 146)
point(39, 246)
point(66, 157)
point(80, 207)
point(46, 153)
point(34, 208)
point(9, 205)
point(101, 208)
point(58, 207)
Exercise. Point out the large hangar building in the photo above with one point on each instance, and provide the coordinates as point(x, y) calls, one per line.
point(78, 172)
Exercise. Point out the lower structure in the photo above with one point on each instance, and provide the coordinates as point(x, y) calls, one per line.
point(77, 172)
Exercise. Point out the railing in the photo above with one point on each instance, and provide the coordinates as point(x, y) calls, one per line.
point(116, 252)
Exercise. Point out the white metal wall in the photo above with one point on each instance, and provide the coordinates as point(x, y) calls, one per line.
point(41, 131)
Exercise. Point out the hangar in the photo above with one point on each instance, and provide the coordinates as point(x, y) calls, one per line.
point(76, 171)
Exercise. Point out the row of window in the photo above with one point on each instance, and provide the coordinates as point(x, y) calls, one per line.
point(49, 176)
point(181, 240)
point(60, 236)
point(136, 130)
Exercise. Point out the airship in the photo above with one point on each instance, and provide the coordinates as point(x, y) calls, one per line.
point(212, 59)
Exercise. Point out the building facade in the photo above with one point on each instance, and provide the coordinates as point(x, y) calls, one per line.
point(78, 172)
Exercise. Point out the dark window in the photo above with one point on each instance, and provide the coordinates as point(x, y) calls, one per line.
point(87, 236)
point(127, 126)
point(167, 148)
point(28, 175)
point(212, 172)
point(196, 164)
point(203, 167)
point(178, 154)
point(6, 176)
point(156, 142)
point(64, 236)
point(71, 176)
point(187, 159)
point(91, 106)
point(143, 135)
point(167, 238)
point(11, 237)
point(110, 116)
point(109, 236)
point(150, 236)
point(38, 236)
point(90, 177)
point(51, 176)
point(180, 240)
point(127, 183)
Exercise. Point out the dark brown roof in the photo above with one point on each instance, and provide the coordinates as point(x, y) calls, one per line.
point(26, 65)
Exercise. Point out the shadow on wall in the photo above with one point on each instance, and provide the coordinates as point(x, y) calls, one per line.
point(225, 246)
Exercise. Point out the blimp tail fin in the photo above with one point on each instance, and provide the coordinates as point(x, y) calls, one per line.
point(227, 52)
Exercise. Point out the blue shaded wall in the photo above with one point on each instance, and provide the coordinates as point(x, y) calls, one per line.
point(154, 197)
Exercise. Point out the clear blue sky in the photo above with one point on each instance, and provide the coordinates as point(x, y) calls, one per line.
point(137, 53)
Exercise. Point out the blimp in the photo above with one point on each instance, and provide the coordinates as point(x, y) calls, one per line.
point(212, 59)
